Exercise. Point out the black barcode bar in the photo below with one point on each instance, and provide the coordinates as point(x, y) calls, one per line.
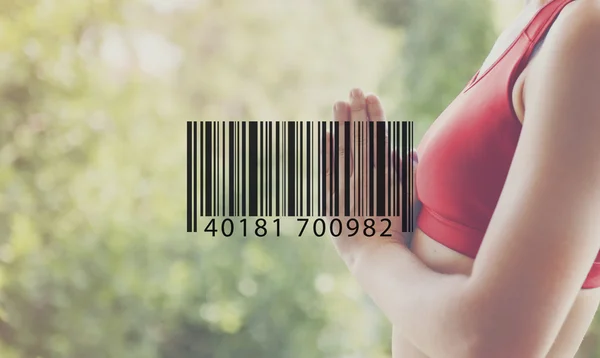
point(243, 162)
point(278, 168)
point(201, 167)
point(371, 167)
point(191, 148)
point(361, 166)
point(320, 167)
point(389, 172)
point(381, 194)
point(195, 176)
point(291, 172)
point(283, 168)
point(406, 176)
point(322, 159)
point(237, 167)
point(277, 175)
point(411, 178)
point(331, 164)
point(397, 166)
point(269, 168)
point(347, 186)
point(309, 168)
point(207, 189)
point(354, 144)
point(232, 173)
point(217, 167)
point(222, 174)
point(252, 168)
point(261, 181)
point(299, 149)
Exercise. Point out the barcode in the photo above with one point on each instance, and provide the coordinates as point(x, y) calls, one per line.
point(255, 169)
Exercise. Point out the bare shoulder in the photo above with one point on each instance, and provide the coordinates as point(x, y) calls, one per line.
point(578, 24)
point(580, 12)
point(569, 61)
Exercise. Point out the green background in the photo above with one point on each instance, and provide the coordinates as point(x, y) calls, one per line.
point(94, 97)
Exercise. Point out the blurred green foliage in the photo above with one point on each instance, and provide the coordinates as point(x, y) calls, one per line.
point(94, 258)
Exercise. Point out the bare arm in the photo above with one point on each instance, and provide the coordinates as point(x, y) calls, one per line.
point(544, 234)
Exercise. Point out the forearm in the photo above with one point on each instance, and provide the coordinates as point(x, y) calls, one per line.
point(430, 309)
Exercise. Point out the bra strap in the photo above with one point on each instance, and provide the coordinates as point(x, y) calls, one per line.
point(542, 21)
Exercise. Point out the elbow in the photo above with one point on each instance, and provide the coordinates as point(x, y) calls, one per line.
point(475, 329)
point(483, 345)
point(489, 347)
point(490, 338)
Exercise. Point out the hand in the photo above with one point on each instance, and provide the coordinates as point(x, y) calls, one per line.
point(363, 109)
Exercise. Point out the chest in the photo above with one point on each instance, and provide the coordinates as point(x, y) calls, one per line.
point(467, 152)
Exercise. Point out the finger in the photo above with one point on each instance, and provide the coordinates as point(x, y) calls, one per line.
point(341, 115)
point(365, 147)
point(342, 165)
point(358, 114)
point(375, 108)
point(358, 105)
point(376, 114)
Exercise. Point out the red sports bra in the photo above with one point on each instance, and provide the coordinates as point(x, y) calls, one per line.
point(466, 154)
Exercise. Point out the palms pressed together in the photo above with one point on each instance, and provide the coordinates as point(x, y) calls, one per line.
point(359, 111)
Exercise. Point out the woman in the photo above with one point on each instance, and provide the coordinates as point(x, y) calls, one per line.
point(503, 262)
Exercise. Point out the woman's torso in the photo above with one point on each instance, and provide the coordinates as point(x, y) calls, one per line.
point(442, 259)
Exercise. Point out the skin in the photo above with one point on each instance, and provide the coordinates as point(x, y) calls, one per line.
point(521, 296)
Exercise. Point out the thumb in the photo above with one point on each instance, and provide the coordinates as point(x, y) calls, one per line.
point(397, 161)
